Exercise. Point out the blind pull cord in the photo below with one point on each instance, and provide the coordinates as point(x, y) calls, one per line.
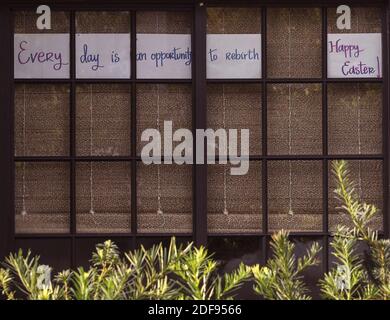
point(91, 209)
point(24, 210)
point(225, 210)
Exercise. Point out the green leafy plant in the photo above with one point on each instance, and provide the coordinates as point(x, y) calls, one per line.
point(151, 276)
point(200, 280)
point(31, 278)
point(281, 278)
point(5, 284)
point(349, 279)
point(188, 272)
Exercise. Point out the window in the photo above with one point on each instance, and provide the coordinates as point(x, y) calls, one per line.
point(78, 175)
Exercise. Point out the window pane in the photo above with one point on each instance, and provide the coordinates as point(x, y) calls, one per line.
point(367, 176)
point(294, 42)
point(41, 120)
point(157, 103)
point(42, 197)
point(41, 54)
point(233, 43)
point(295, 195)
point(164, 198)
point(234, 202)
point(362, 20)
point(103, 45)
point(234, 106)
point(103, 197)
point(103, 120)
point(233, 20)
point(164, 45)
point(102, 22)
point(26, 22)
point(294, 119)
point(355, 118)
point(164, 22)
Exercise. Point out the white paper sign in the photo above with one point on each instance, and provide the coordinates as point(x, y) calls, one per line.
point(164, 56)
point(354, 55)
point(103, 55)
point(42, 56)
point(233, 56)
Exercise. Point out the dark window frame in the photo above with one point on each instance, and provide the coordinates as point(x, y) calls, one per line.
point(9, 240)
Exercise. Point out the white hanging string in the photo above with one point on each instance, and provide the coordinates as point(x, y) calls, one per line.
point(290, 210)
point(359, 141)
point(91, 208)
point(159, 210)
point(225, 210)
point(159, 206)
point(359, 130)
point(24, 210)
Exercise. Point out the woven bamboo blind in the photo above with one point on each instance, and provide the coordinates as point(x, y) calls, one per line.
point(362, 20)
point(102, 22)
point(234, 202)
point(294, 42)
point(233, 20)
point(103, 201)
point(157, 103)
point(232, 106)
point(164, 22)
point(103, 120)
point(164, 198)
point(42, 197)
point(41, 120)
point(295, 195)
point(355, 118)
point(25, 22)
point(294, 119)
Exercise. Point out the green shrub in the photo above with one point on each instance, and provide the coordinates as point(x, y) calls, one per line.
point(281, 278)
point(188, 272)
point(350, 279)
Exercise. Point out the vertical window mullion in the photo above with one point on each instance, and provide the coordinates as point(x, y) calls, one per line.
point(264, 176)
point(200, 105)
point(7, 198)
point(325, 253)
point(72, 131)
point(385, 122)
point(133, 41)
